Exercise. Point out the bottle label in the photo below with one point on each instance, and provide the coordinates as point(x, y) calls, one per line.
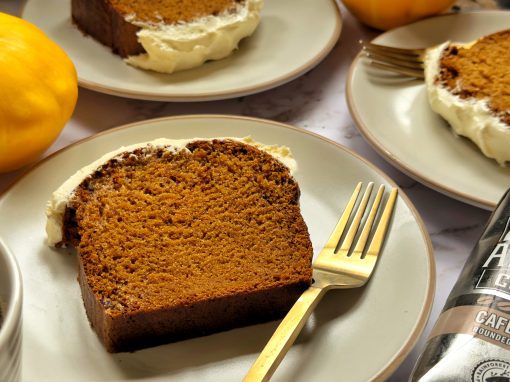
point(479, 313)
point(488, 320)
point(495, 270)
point(491, 370)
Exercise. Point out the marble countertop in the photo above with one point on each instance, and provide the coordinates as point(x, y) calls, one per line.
point(315, 102)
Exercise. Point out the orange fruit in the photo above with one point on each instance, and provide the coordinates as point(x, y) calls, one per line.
point(388, 14)
point(38, 92)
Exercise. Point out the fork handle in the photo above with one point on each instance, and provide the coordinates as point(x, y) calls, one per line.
point(284, 336)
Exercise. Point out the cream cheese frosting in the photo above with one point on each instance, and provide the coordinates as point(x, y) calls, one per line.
point(471, 117)
point(56, 206)
point(182, 46)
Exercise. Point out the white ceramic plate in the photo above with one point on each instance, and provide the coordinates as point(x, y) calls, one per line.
point(379, 323)
point(292, 38)
point(395, 117)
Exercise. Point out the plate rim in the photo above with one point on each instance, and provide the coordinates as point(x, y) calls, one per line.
point(421, 321)
point(385, 152)
point(222, 94)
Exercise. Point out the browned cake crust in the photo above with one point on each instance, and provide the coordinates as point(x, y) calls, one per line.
point(480, 72)
point(105, 21)
point(174, 245)
point(100, 20)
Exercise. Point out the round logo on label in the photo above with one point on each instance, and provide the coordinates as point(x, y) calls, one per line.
point(491, 370)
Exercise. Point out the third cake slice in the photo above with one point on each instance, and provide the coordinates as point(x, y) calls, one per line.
point(469, 86)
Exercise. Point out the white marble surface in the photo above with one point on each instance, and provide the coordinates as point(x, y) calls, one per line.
point(315, 102)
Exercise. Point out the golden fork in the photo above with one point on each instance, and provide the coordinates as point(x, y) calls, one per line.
point(409, 62)
point(335, 267)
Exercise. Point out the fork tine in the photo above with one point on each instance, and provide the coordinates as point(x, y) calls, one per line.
point(362, 267)
point(351, 234)
point(400, 70)
point(395, 60)
point(408, 62)
point(337, 233)
point(380, 232)
point(362, 241)
point(390, 49)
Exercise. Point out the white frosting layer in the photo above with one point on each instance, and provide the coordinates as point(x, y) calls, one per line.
point(471, 118)
point(56, 206)
point(187, 45)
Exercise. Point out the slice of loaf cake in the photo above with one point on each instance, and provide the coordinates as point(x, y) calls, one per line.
point(469, 86)
point(183, 238)
point(168, 35)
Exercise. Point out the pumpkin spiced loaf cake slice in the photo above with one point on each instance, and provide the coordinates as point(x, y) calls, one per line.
point(183, 238)
point(469, 86)
point(168, 35)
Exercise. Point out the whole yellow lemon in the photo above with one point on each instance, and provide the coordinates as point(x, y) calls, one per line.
point(388, 14)
point(38, 92)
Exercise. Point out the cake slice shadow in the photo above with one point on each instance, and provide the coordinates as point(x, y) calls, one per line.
point(234, 346)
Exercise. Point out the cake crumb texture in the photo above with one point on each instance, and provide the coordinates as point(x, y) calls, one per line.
point(163, 231)
point(172, 11)
point(480, 72)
